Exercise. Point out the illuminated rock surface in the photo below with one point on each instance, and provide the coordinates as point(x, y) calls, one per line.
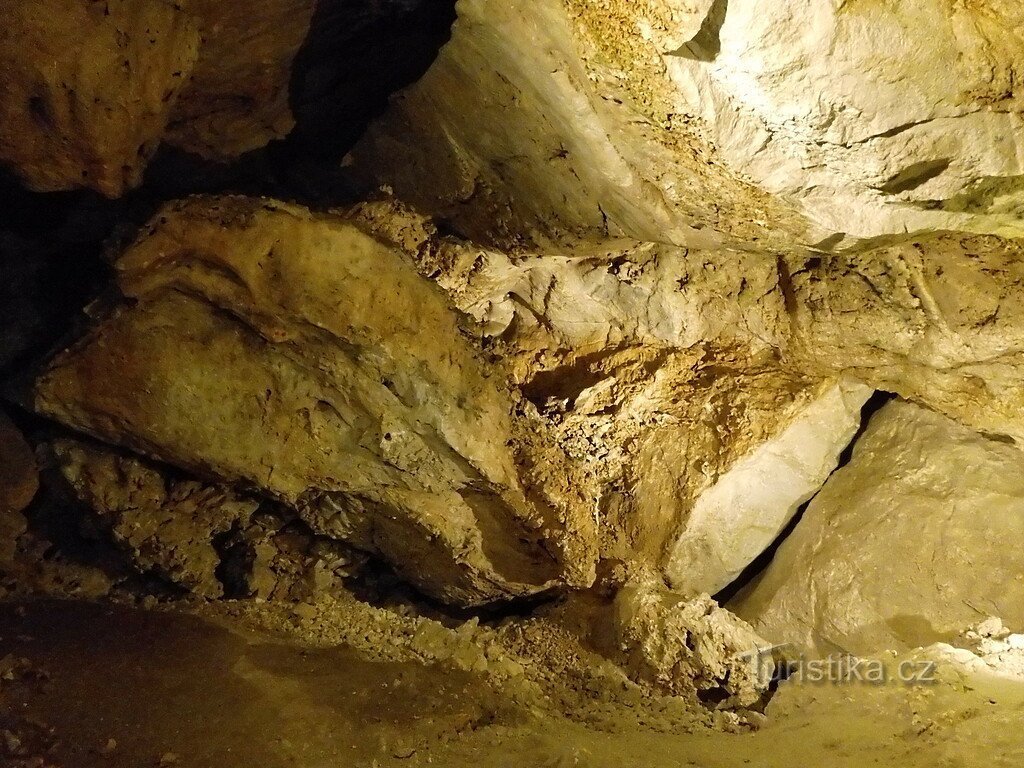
point(905, 546)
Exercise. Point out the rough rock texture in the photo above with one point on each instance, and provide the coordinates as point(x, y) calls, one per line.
point(638, 118)
point(671, 24)
point(297, 354)
point(88, 88)
point(935, 317)
point(874, 116)
point(168, 526)
point(905, 546)
point(689, 647)
point(547, 122)
point(237, 97)
point(19, 482)
point(656, 368)
point(737, 518)
point(635, 382)
point(206, 539)
point(638, 351)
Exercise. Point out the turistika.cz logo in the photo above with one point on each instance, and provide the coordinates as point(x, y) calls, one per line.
point(780, 663)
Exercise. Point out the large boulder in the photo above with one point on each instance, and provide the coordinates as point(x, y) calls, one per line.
point(741, 514)
point(912, 542)
point(298, 355)
point(689, 647)
point(88, 88)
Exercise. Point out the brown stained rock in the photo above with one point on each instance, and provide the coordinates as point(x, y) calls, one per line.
point(19, 482)
point(659, 371)
point(237, 99)
point(88, 88)
point(686, 647)
point(297, 354)
point(673, 406)
point(208, 539)
point(936, 317)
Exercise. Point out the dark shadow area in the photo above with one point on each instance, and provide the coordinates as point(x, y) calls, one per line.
point(357, 54)
point(378, 584)
point(757, 566)
point(707, 43)
point(89, 685)
point(914, 176)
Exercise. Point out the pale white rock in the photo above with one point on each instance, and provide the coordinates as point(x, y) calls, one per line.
point(671, 24)
point(552, 119)
point(874, 116)
point(738, 517)
point(917, 538)
point(688, 646)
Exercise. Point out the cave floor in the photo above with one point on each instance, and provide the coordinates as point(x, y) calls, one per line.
point(85, 685)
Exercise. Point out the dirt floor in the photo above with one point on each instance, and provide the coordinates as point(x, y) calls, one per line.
point(85, 685)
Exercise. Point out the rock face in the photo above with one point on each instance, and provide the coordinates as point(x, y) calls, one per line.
point(89, 88)
point(670, 406)
point(658, 370)
point(237, 98)
point(905, 546)
point(19, 482)
point(606, 120)
point(689, 647)
point(94, 88)
point(169, 527)
point(935, 317)
point(208, 540)
point(303, 357)
point(738, 517)
point(556, 120)
point(913, 118)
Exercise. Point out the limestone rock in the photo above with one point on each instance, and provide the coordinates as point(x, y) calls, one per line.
point(658, 370)
point(554, 119)
point(207, 539)
point(638, 383)
point(935, 317)
point(88, 88)
point(671, 24)
point(307, 359)
point(168, 527)
point(237, 98)
point(875, 117)
point(19, 482)
point(738, 517)
point(905, 546)
point(687, 647)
